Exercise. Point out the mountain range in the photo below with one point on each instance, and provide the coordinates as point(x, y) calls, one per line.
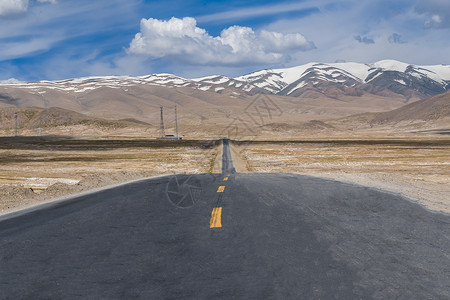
point(310, 94)
point(387, 78)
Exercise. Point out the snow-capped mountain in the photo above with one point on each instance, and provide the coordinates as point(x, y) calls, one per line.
point(377, 78)
point(383, 78)
point(214, 83)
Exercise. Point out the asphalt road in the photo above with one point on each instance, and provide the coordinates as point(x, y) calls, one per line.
point(227, 160)
point(227, 236)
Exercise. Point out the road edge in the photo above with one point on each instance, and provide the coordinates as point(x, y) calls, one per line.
point(56, 201)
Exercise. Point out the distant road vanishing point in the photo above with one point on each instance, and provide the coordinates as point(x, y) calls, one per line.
point(227, 236)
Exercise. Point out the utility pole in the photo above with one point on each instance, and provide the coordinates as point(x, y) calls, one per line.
point(161, 125)
point(176, 122)
point(16, 127)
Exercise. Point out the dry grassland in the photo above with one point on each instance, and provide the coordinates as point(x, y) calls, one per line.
point(417, 167)
point(34, 170)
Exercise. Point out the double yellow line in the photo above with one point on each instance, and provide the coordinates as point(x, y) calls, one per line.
point(216, 218)
point(216, 214)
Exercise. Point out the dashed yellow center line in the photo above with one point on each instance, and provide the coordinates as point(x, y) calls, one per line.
point(225, 179)
point(216, 218)
point(216, 214)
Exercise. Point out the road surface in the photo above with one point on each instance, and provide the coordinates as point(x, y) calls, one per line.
point(227, 236)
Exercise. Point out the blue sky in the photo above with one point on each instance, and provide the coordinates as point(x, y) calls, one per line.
point(58, 39)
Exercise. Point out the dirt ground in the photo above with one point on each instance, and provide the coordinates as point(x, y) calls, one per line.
point(416, 166)
point(36, 170)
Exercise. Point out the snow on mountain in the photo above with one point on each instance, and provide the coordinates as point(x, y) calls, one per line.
point(360, 71)
point(219, 83)
point(79, 85)
point(387, 75)
point(10, 81)
point(377, 78)
point(275, 80)
point(390, 65)
point(215, 79)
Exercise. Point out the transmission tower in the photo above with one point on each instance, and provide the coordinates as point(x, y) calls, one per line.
point(176, 123)
point(161, 125)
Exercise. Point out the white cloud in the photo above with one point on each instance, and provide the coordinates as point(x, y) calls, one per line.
point(12, 7)
point(434, 22)
point(436, 11)
point(181, 40)
point(19, 49)
point(258, 11)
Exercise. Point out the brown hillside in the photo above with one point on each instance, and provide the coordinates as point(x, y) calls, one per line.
point(33, 118)
point(196, 107)
point(430, 109)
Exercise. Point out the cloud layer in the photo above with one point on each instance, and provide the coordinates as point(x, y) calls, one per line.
point(369, 31)
point(364, 39)
point(181, 40)
point(437, 12)
point(12, 7)
point(84, 37)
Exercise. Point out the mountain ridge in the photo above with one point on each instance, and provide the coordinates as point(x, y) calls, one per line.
point(382, 78)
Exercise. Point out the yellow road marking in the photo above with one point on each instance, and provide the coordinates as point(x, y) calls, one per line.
point(221, 189)
point(216, 218)
point(225, 179)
